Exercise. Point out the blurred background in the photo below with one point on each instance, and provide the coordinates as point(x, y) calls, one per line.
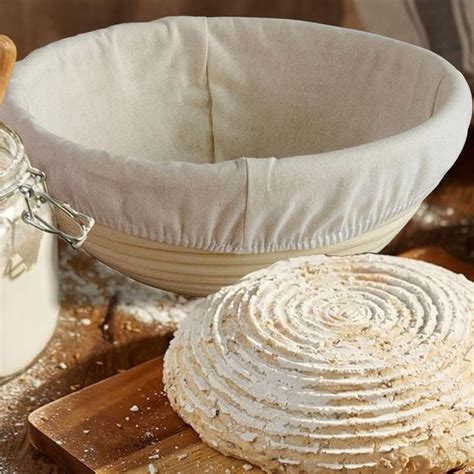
point(33, 23)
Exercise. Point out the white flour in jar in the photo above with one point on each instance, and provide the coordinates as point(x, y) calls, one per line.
point(29, 299)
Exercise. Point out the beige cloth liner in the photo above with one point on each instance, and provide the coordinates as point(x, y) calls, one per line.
point(200, 273)
point(238, 135)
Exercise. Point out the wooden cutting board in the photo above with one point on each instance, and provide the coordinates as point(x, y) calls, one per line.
point(125, 423)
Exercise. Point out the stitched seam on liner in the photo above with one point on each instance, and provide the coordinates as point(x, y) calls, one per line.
point(328, 239)
point(27, 102)
point(211, 118)
point(435, 102)
point(246, 202)
point(308, 245)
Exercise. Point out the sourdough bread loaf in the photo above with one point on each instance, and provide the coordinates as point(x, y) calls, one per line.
point(358, 364)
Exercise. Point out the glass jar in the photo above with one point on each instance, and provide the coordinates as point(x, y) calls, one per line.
point(29, 297)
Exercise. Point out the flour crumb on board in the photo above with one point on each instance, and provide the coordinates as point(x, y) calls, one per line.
point(182, 456)
point(152, 469)
point(134, 408)
point(247, 467)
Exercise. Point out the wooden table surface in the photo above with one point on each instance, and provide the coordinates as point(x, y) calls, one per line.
point(105, 325)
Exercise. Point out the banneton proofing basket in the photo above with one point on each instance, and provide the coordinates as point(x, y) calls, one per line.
point(208, 148)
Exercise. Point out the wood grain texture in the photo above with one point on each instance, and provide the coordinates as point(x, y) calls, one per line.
point(123, 424)
point(439, 256)
point(7, 62)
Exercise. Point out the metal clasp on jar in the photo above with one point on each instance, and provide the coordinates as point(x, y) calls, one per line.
point(35, 193)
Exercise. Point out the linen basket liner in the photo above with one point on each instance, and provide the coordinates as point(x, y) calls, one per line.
point(239, 135)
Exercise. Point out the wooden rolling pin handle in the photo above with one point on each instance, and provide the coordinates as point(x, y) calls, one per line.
point(7, 61)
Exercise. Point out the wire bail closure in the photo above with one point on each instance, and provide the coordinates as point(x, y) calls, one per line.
point(35, 198)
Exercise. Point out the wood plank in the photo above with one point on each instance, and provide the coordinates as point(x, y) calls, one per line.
point(122, 424)
point(439, 256)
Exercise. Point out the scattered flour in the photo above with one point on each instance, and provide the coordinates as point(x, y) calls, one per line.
point(152, 469)
point(85, 285)
point(100, 283)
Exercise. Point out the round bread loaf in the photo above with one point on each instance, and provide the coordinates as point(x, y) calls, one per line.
point(358, 364)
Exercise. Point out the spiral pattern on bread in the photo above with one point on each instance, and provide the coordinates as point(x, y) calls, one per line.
point(355, 364)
